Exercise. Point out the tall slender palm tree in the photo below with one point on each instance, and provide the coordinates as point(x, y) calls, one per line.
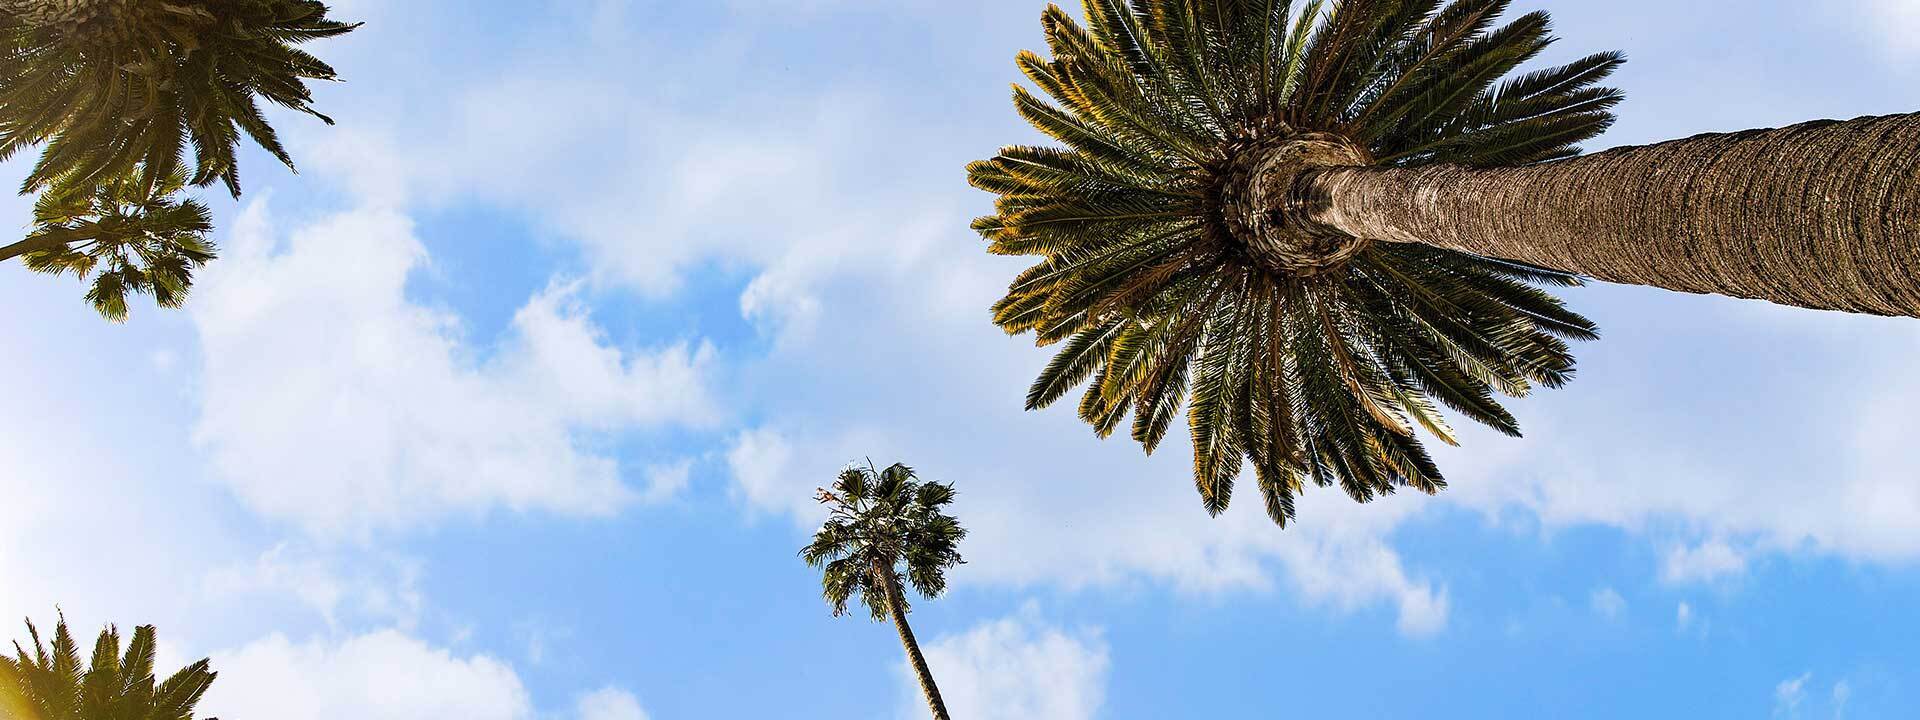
point(49, 683)
point(882, 521)
point(1316, 225)
point(122, 92)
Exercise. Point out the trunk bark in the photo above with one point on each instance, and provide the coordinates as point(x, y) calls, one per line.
point(1821, 215)
point(919, 662)
point(9, 252)
point(48, 13)
point(41, 13)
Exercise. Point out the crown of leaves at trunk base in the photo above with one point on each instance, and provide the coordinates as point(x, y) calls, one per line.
point(1164, 291)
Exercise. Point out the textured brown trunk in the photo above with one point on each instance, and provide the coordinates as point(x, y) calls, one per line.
point(40, 13)
point(1821, 215)
point(897, 609)
point(55, 13)
point(9, 252)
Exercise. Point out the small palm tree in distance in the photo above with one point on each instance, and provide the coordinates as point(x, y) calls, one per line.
point(887, 530)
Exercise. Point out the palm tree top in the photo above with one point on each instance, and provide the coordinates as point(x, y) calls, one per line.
point(879, 520)
point(114, 85)
point(49, 682)
point(1168, 279)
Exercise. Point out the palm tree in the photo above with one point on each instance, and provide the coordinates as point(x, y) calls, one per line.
point(114, 84)
point(49, 684)
point(128, 235)
point(880, 520)
point(120, 91)
point(1321, 226)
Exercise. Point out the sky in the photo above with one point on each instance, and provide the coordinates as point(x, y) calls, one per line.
point(510, 405)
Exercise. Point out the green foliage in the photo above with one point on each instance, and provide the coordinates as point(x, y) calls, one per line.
point(48, 683)
point(1308, 377)
point(137, 87)
point(882, 520)
point(129, 236)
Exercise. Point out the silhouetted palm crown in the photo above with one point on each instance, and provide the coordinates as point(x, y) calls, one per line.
point(114, 85)
point(1312, 363)
point(881, 519)
point(128, 236)
point(49, 683)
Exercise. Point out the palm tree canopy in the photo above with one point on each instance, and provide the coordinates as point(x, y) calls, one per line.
point(880, 520)
point(129, 236)
point(1310, 356)
point(49, 683)
point(111, 85)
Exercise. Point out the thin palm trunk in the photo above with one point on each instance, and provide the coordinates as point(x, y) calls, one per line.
point(897, 609)
point(1821, 215)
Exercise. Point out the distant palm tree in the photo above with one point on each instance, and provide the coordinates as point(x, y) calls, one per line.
point(49, 684)
point(1321, 226)
point(122, 91)
point(881, 520)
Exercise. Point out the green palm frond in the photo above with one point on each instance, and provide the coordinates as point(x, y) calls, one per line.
point(49, 682)
point(129, 236)
point(1321, 374)
point(127, 84)
point(885, 526)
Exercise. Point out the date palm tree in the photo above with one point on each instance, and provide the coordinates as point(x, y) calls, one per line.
point(1315, 226)
point(886, 531)
point(122, 92)
point(110, 85)
point(49, 683)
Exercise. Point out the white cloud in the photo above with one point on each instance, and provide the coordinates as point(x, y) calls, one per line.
point(1897, 22)
point(383, 675)
point(763, 475)
point(1683, 616)
point(99, 503)
point(1608, 603)
point(1789, 694)
point(1013, 669)
point(609, 704)
point(338, 587)
point(667, 480)
point(1706, 562)
point(378, 676)
point(332, 400)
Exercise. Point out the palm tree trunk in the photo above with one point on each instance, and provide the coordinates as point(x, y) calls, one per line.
point(29, 245)
point(1820, 215)
point(43, 13)
point(898, 610)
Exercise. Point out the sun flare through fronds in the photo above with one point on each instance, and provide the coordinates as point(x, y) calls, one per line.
point(1170, 275)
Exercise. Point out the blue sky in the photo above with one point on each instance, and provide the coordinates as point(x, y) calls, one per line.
point(510, 405)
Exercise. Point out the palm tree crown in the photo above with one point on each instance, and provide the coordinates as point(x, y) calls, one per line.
point(129, 236)
point(1309, 355)
point(49, 683)
point(881, 519)
point(112, 85)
